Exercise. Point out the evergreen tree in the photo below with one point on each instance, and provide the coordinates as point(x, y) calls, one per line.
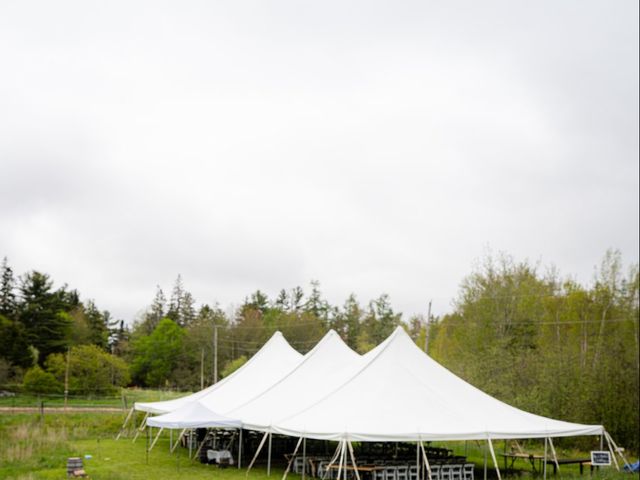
point(42, 312)
point(175, 303)
point(98, 323)
point(7, 291)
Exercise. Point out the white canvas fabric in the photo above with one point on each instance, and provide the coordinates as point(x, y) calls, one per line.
point(325, 365)
point(193, 415)
point(274, 360)
point(398, 393)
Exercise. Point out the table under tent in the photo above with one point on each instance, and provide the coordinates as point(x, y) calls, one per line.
point(393, 394)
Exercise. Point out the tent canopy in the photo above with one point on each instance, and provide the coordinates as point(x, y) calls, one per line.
point(274, 360)
point(395, 392)
point(401, 394)
point(194, 415)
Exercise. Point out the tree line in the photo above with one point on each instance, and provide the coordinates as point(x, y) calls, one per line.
point(534, 339)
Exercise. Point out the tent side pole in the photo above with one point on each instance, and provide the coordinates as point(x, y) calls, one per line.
point(142, 426)
point(485, 463)
point(269, 456)
point(333, 460)
point(170, 439)
point(555, 457)
point(240, 450)
point(495, 462)
point(126, 420)
point(341, 459)
point(346, 460)
point(156, 439)
point(544, 468)
point(293, 457)
point(613, 455)
point(195, 454)
point(178, 440)
point(304, 458)
point(264, 438)
point(418, 472)
point(353, 461)
point(619, 450)
point(426, 460)
point(190, 438)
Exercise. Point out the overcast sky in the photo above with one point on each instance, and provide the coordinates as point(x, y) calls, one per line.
point(373, 146)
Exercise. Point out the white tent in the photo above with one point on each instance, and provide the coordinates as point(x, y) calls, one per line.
point(199, 417)
point(325, 365)
point(401, 394)
point(274, 360)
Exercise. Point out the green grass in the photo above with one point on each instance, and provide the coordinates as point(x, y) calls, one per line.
point(32, 449)
point(128, 396)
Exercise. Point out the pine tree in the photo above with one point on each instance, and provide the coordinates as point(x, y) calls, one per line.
point(7, 291)
point(42, 312)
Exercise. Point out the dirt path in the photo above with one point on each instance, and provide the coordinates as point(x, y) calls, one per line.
point(69, 409)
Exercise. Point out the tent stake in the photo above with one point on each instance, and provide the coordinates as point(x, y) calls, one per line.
point(293, 457)
point(264, 438)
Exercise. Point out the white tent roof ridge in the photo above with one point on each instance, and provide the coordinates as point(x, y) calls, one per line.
point(368, 358)
point(276, 345)
point(402, 394)
point(330, 336)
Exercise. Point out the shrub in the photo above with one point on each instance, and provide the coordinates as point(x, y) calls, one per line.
point(91, 370)
point(37, 380)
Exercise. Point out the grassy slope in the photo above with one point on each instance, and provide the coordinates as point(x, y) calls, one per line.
point(31, 450)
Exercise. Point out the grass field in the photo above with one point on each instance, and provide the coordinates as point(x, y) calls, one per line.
point(125, 400)
point(33, 448)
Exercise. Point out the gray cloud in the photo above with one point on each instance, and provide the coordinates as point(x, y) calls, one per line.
point(374, 146)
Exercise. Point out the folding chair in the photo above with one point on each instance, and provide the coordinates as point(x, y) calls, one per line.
point(468, 471)
point(402, 472)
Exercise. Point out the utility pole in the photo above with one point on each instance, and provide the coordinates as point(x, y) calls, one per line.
point(66, 380)
point(426, 329)
point(215, 353)
point(201, 368)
